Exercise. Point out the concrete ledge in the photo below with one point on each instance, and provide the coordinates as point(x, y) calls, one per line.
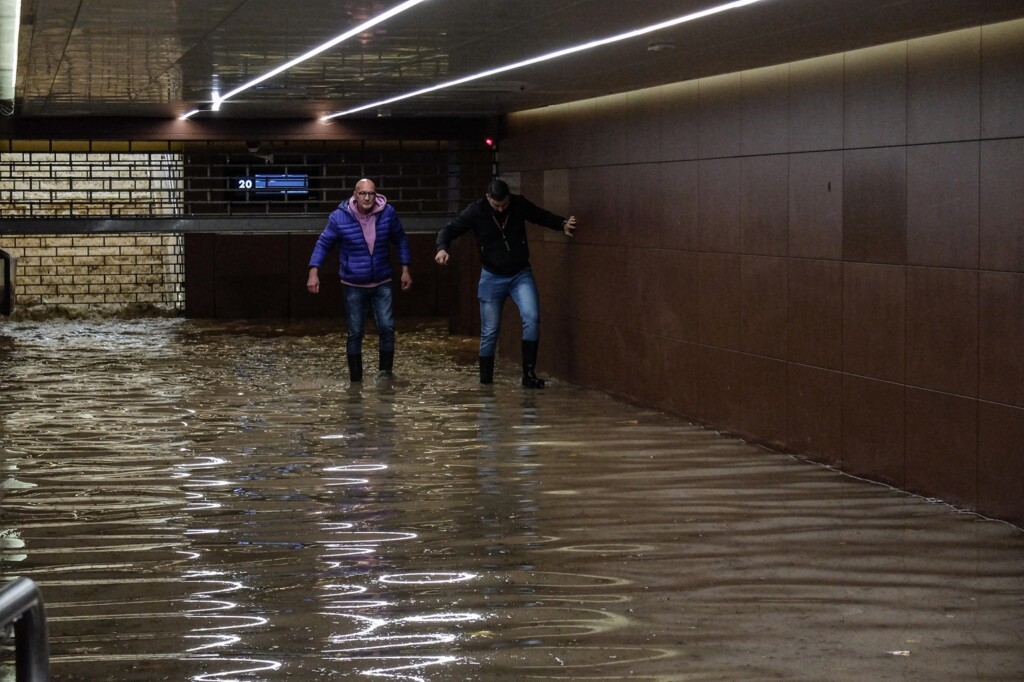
point(281, 224)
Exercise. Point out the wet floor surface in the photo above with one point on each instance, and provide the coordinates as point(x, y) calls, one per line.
point(212, 502)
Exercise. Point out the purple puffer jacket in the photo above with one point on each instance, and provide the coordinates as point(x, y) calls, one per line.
point(356, 264)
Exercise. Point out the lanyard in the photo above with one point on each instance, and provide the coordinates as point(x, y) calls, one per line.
point(501, 229)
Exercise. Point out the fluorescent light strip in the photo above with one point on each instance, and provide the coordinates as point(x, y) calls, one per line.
point(408, 4)
point(14, 44)
point(217, 100)
point(551, 55)
point(10, 28)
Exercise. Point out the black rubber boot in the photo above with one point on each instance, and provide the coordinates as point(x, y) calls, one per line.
point(387, 362)
point(486, 369)
point(530, 380)
point(355, 368)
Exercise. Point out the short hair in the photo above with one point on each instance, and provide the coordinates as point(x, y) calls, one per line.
point(498, 190)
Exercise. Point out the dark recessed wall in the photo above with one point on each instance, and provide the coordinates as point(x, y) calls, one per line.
point(263, 276)
point(826, 257)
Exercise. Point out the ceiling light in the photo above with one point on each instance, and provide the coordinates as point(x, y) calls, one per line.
point(217, 99)
point(10, 26)
point(551, 55)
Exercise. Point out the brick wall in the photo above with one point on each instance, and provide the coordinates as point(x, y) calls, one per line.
point(80, 267)
point(88, 273)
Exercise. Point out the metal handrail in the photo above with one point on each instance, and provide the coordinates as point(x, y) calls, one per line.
point(22, 604)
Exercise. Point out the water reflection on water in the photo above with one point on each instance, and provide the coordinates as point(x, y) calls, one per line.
point(212, 501)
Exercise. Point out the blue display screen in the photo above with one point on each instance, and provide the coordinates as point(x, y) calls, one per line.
point(273, 184)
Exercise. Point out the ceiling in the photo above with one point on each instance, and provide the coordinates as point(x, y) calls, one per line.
point(145, 58)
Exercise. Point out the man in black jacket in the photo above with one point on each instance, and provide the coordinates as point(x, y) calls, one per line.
point(498, 222)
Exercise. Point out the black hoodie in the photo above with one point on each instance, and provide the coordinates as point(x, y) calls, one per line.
point(500, 237)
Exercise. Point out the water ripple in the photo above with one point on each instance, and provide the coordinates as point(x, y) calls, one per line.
point(212, 501)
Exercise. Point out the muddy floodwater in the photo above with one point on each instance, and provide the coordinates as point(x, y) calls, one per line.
point(208, 501)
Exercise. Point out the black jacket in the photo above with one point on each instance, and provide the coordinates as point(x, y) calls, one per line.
point(500, 237)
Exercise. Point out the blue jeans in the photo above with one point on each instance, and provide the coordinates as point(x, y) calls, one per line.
point(357, 301)
point(492, 292)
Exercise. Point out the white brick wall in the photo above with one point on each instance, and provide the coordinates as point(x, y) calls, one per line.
point(85, 273)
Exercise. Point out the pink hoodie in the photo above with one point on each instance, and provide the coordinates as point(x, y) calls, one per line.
point(369, 222)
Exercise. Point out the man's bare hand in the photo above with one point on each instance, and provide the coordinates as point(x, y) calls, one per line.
point(569, 226)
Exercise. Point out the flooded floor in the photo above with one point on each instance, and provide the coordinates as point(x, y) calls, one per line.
point(212, 501)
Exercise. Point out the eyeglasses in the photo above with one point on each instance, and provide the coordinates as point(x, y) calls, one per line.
point(366, 195)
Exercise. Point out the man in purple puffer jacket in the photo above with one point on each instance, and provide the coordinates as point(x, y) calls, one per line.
point(363, 227)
